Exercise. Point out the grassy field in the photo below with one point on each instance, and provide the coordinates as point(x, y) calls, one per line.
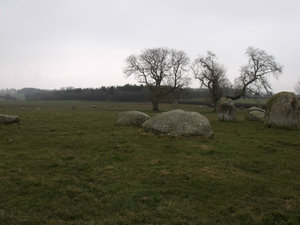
point(243, 102)
point(67, 163)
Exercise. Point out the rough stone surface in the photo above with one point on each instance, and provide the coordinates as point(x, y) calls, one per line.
point(255, 114)
point(7, 119)
point(132, 118)
point(254, 108)
point(226, 109)
point(282, 110)
point(179, 123)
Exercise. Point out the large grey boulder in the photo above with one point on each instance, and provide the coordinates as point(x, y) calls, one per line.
point(282, 110)
point(179, 123)
point(226, 109)
point(131, 118)
point(255, 114)
point(7, 119)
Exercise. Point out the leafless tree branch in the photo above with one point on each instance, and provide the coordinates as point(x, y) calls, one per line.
point(163, 70)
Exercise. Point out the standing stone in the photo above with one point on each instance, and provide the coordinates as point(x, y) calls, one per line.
point(255, 114)
point(282, 110)
point(226, 109)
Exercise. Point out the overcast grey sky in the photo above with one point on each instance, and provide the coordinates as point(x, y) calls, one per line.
point(84, 43)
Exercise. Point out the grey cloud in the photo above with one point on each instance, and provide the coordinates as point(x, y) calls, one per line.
point(39, 39)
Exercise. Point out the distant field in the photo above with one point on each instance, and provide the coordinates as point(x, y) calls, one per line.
point(67, 163)
point(245, 102)
point(254, 101)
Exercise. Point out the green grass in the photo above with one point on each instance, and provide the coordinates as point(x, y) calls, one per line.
point(242, 102)
point(74, 166)
point(254, 101)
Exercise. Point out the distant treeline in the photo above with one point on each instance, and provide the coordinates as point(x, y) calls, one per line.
point(120, 93)
point(126, 93)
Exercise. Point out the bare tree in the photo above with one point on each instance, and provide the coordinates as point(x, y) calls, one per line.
point(211, 74)
point(297, 87)
point(162, 70)
point(254, 76)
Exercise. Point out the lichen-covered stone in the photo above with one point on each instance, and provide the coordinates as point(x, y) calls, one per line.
point(131, 118)
point(282, 110)
point(255, 114)
point(226, 109)
point(179, 123)
point(254, 108)
point(7, 119)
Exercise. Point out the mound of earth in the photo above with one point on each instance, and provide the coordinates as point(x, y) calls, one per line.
point(226, 109)
point(255, 114)
point(179, 123)
point(282, 110)
point(131, 118)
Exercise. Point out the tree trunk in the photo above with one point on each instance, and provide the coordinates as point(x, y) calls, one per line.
point(155, 102)
point(155, 95)
point(155, 105)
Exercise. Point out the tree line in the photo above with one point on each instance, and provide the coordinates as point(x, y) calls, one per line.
point(126, 93)
point(129, 93)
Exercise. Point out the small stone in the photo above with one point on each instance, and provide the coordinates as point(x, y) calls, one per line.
point(255, 114)
point(7, 119)
point(131, 118)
